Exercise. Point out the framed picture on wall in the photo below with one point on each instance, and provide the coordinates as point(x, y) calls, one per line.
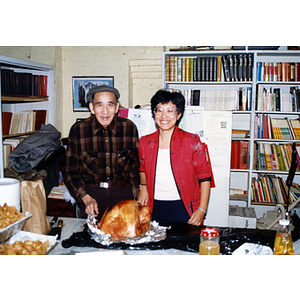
point(81, 86)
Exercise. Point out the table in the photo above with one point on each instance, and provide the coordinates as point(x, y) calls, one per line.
point(72, 225)
point(184, 238)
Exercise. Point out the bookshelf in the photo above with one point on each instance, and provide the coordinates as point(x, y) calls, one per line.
point(243, 80)
point(25, 87)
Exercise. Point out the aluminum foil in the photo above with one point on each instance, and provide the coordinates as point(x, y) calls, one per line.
point(156, 233)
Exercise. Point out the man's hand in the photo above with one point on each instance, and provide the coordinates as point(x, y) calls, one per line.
point(91, 206)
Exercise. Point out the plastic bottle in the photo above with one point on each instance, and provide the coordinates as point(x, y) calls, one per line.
point(283, 244)
point(209, 242)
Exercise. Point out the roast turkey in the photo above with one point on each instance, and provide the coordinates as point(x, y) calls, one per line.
point(125, 220)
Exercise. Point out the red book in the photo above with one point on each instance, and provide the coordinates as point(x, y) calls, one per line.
point(271, 77)
point(265, 127)
point(260, 192)
point(40, 118)
point(6, 120)
point(275, 72)
point(235, 148)
point(288, 67)
point(243, 154)
point(296, 71)
point(284, 71)
point(44, 85)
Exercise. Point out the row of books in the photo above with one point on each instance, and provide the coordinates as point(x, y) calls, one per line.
point(23, 122)
point(209, 68)
point(8, 146)
point(274, 157)
point(239, 154)
point(25, 84)
point(240, 100)
point(267, 127)
point(277, 71)
point(271, 189)
point(274, 99)
point(238, 194)
point(191, 69)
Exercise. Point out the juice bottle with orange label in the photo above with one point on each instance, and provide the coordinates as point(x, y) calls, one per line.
point(283, 244)
point(209, 241)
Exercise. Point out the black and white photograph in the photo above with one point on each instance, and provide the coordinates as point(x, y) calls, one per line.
point(81, 86)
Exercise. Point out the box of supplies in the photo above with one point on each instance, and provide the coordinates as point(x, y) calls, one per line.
point(242, 217)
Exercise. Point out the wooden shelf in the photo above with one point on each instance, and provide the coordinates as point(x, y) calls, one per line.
point(17, 99)
point(18, 134)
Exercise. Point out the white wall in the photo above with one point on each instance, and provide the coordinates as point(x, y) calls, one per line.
point(71, 61)
point(99, 61)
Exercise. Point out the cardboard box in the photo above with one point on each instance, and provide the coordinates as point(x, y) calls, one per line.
point(242, 217)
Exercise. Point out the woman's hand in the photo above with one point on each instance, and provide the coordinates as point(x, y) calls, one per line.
point(143, 195)
point(196, 218)
point(91, 206)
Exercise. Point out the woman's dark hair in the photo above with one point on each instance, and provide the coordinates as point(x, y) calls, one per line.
point(163, 96)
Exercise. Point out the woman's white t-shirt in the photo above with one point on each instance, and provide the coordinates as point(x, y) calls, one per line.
point(165, 186)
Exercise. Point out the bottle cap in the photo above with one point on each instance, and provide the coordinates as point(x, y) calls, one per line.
point(209, 232)
point(284, 222)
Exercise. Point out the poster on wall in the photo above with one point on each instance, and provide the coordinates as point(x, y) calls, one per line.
point(214, 129)
point(82, 85)
point(142, 118)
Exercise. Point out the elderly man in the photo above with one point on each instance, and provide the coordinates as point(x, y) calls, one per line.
point(102, 163)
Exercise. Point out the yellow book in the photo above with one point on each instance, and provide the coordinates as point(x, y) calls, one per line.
point(187, 69)
point(171, 72)
point(296, 128)
point(219, 68)
point(167, 68)
point(267, 151)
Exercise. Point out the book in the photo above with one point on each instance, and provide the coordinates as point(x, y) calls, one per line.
point(26, 121)
point(235, 148)
point(239, 154)
point(243, 154)
point(240, 133)
point(297, 71)
point(196, 98)
point(187, 69)
point(9, 144)
point(225, 68)
point(268, 156)
point(277, 71)
point(274, 158)
point(179, 69)
point(167, 68)
point(215, 99)
point(219, 68)
point(295, 125)
point(6, 121)
point(175, 69)
point(277, 99)
point(280, 129)
point(16, 83)
point(270, 189)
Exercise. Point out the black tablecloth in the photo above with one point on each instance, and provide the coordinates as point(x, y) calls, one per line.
point(184, 237)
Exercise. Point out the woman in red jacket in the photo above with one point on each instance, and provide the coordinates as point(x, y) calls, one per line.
point(175, 170)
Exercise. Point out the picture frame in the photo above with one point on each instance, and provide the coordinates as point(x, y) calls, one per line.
point(82, 84)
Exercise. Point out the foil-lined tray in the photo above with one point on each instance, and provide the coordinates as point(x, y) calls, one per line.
point(14, 228)
point(32, 236)
point(156, 233)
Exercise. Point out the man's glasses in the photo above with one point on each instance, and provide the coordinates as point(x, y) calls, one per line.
point(169, 111)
